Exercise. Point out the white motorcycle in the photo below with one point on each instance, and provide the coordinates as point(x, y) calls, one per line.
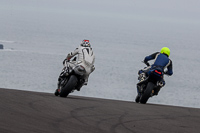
point(70, 79)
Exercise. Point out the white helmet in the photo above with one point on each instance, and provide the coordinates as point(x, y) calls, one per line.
point(85, 43)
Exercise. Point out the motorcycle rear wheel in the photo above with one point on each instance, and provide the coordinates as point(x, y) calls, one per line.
point(144, 98)
point(72, 82)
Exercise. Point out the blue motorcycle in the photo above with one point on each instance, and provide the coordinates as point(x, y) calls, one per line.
point(150, 81)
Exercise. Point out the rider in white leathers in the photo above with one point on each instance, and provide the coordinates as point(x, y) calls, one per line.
point(85, 57)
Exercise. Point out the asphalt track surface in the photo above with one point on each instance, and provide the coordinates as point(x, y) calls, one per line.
point(34, 112)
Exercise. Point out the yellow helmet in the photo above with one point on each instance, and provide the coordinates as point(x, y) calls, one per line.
point(165, 50)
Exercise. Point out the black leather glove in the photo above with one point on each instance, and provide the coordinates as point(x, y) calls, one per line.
point(64, 61)
point(147, 63)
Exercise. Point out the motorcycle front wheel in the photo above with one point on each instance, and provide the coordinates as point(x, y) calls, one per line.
point(70, 85)
point(144, 98)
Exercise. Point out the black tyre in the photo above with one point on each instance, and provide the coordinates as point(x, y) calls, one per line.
point(144, 98)
point(72, 82)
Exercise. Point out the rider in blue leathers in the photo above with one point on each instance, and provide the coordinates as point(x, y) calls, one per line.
point(161, 61)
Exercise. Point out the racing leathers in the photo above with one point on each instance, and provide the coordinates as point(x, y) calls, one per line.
point(83, 56)
point(161, 60)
